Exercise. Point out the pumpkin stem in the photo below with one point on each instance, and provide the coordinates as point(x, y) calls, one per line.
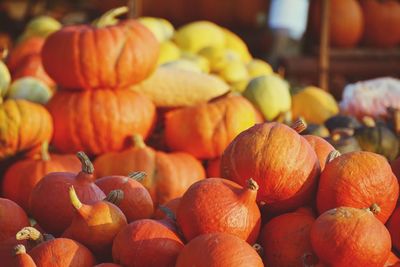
point(19, 249)
point(76, 203)
point(110, 17)
point(168, 212)
point(252, 184)
point(332, 155)
point(368, 121)
point(259, 249)
point(115, 196)
point(299, 125)
point(29, 233)
point(137, 141)
point(137, 176)
point(45, 151)
point(87, 166)
point(375, 209)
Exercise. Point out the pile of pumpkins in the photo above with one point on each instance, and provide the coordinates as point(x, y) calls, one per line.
point(138, 158)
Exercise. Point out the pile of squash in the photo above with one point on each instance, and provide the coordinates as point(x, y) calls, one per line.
point(137, 159)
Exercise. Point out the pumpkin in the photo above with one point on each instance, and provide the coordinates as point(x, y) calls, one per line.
point(346, 22)
point(381, 23)
point(344, 141)
point(341, 121)
point(21, 177)
point(269, 153)
point(56, 252)
point(24, 127)
point(286, 240)
point(314, 105)
point(174, 87)
point(393, 260)
point(146, 243)
point(32, 66)
point(25, 49)
point(96, 225)
point(214, 167)
point(213, 125)
point(218, 249)
point(168, 174)
point(321, 147)
point(6, 248)
point(5, 79)
point(347, 236)
point(129, 53)
point(84, 120)
point(31, 89)
point(21, 258)
point(136, 203)
point(169, 208)
point(219, 205)
point(358, 179)
point(12, 219)
point(269, 94)
point(50, 203)
point(394, 229)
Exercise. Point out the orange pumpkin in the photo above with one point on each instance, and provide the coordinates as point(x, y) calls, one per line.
point(346, 22)
point(84, 57)
point(170, 206)
point(321, 147)
point(21, 258)
point(382, 20)
point(12, 219)
point(358, 179)
point(348, 236)
point(24, 127)
point(99, 121)
point(208, 127)
point(32, 66)
point(21, 177)
point(24, 50)
point(281, 161)
point(214, 167)
point(168, 174)
point(393, 260)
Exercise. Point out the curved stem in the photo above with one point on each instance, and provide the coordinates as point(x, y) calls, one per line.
point(110, 17)
point(29, 233)
point(259, 249)
point(115, 197)
point(19, 249)
point(76, 203)
point(299, 125)
point(87, 166)
point(332, 155)
point(252, 184)
point(137, 141)
point(375, 209)
point(137, 176)
point(45, 151)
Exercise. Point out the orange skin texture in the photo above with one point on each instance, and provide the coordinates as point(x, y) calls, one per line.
point(12, 219)
point(24, 127)
point(339, 238)
point(172, 205)
point(22, 176)
point(50, 202)
point(321, 147)
point(382, 20)
point(393, 260)
point(23, 260)
point(146, 243)
point(168, 174)
point(346, 22)
point(83, 57)
point(214, 167)
point(358, 179)
point(62, 252)
point(282, 162)
point(32, 66)
point(99, 121)
point(136, 204)
point(7, 247)
point(95, 226)
point(219, 205)
point(394, 228)
point(24, 50)
point(209, 127)
point(286, 239)
point(218, 250)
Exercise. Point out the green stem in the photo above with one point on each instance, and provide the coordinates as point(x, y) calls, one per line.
point(137, 176)
point(115, 197)
point(110, 17)
point(45, 151)
point(76, 203)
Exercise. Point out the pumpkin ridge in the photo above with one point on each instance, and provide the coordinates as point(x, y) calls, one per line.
point(220, 126)
point(18, 124)
point(120, 50)
point(30, 118)
point(78, 57)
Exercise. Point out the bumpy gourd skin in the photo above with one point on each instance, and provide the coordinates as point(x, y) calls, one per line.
point(24, 126)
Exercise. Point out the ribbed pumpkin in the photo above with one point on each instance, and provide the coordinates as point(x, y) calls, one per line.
point(136, 203)
point(218, 250)
point(168, 174)
point(12, 219)
point(58, 252)
point(321, 147)
point(24, 50)
point(96, 225)
point(213, 125)
point(99, 121)
point(50, 203)
point(348, 236)
point(358, 179)
point(146, 243)
point(24, 127)
point(382, 20)
point(286, 240)
point(394, 228)
point(32, 66)
point(281, 161)
point(219, 205)
point(21, 258)
point(95, 57)
point(20, 179)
